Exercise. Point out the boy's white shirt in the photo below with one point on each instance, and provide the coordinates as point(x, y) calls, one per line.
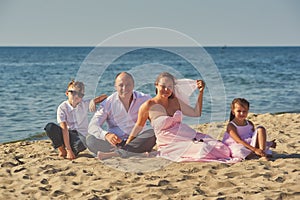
point(76, 118)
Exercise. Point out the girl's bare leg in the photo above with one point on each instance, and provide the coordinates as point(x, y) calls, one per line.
point(262, 139)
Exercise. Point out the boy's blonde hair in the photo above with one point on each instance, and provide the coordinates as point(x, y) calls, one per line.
point(76, 84)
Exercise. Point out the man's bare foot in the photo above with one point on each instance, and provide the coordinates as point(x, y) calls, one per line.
point(151, 154)
point(104, 155)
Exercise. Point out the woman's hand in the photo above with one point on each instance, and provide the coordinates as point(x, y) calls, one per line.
point(200, 85)
point(130, 138)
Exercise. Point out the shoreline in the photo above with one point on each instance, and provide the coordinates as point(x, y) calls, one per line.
point(43, 136)
point(33, 170)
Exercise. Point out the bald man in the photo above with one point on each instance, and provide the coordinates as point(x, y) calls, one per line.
point(120, 112)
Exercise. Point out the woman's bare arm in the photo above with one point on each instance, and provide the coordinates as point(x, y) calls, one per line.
point(197, 110)
point(143, 115)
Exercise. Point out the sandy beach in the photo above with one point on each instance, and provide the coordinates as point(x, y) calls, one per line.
point(32, 170)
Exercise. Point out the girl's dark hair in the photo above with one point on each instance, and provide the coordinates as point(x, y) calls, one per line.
point(242, 102)
point(168, 75)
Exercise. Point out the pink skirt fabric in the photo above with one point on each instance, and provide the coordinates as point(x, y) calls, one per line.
point(180, 143)
point(247, 134)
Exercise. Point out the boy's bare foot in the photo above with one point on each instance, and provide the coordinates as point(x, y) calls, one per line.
point(62, 155)
point(62, 152)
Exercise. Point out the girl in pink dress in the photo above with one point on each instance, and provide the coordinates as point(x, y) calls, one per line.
point(177, 141)
point(241, 137)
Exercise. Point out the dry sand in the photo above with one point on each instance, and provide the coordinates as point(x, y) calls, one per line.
point(32, 170)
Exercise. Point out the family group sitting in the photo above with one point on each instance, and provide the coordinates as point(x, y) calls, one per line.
point(126, 112)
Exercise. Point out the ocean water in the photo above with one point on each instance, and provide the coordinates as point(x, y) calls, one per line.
point(34, 79)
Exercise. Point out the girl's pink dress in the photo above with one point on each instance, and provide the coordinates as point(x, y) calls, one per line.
point(176, 142)
point(247, 134)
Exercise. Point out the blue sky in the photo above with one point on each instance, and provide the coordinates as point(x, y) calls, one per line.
point(209, 22)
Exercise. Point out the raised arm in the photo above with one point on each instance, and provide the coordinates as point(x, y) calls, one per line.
point(96, 100)
point(197, 110)
point(143, 115)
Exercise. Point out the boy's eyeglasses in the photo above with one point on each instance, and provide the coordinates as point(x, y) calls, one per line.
point(73, 92)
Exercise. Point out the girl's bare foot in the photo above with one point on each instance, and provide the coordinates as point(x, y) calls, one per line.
point(273, 144)
point(252, 156)
point(264, 158)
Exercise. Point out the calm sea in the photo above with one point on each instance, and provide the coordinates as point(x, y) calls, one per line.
point(34, 79)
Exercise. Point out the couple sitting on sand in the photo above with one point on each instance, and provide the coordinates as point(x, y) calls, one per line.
point(126, 112)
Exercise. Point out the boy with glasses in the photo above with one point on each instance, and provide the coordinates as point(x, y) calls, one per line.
point(72, 117)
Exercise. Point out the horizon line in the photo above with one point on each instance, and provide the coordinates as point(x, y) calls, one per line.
point(123, 46)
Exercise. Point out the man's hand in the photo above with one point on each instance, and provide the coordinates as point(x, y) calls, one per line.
point(112, 138)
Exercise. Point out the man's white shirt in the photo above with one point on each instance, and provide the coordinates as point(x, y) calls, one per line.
point(118, 120)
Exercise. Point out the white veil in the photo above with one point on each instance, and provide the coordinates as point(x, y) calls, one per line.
point(184, 88)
